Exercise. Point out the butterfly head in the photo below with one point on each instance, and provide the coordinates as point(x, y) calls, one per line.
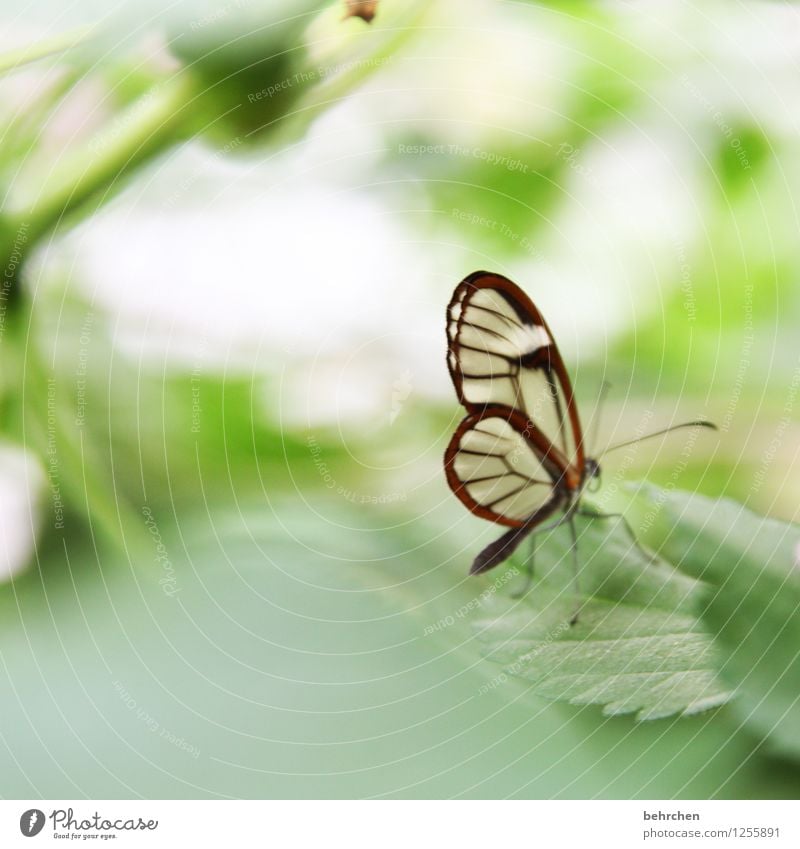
point(591, 475)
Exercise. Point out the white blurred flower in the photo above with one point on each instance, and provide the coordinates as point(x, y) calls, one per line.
point(268, 273)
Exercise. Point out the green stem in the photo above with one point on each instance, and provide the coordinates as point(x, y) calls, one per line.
point(13, 59)
point(146, 128)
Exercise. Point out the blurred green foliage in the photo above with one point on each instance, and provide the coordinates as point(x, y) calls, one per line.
point(752, 604)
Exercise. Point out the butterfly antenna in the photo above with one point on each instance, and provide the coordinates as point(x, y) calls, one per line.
point(598, 410)
point(698, 423)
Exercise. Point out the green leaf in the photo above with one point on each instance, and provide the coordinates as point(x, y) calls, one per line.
point(753, 603)
point(276, 648)
point(638, 647)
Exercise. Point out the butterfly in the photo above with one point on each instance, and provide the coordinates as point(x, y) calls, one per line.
point(518, 457)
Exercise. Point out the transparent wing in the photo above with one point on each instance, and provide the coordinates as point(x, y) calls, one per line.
point(543, 400)
point(500, 351)
point(497, 471)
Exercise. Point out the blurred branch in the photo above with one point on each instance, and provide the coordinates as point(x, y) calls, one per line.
point(399, 23)
point(216, 90)
point(145, 128)
point(178, 107)
point(13, 59)
point(82, 179)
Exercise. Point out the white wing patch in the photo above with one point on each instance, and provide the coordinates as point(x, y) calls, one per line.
point(491, 339)
point(500, 470)
point(528, 338)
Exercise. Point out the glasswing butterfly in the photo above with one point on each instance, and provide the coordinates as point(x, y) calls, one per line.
point(518, 457)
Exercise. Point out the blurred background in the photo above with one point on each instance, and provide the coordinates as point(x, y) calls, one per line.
point(229, 557)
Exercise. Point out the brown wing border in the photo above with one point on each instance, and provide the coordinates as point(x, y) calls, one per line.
point(550, 456)
point(527, 312)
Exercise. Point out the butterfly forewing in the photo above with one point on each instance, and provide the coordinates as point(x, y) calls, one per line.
point(501, 351)
point(487, 339)
point(501, 469)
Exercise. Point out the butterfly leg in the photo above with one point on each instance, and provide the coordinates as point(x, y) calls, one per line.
point(528, 570)
point(575, 567)
point(529, 561)
point(596, 514)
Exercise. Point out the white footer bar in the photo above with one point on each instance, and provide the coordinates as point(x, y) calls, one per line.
point(401, 824)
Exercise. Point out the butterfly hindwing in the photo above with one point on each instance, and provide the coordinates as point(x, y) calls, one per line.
point(502, 468)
